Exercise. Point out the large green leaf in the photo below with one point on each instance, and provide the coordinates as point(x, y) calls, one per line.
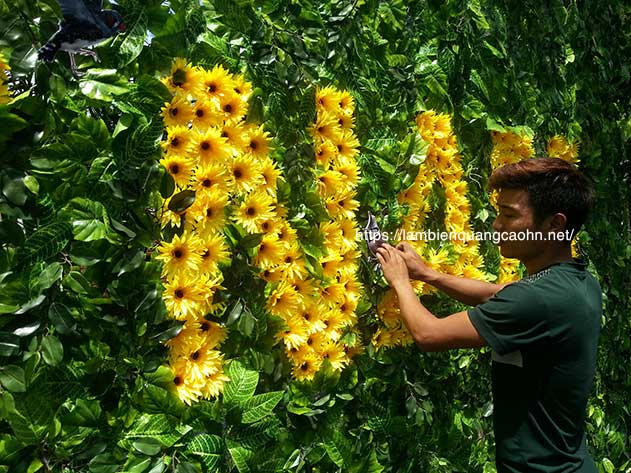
point(89, 219)
point(260, 406)
point(209, 448)
point(242, 383)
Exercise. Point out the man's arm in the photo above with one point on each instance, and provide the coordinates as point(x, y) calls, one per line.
point(429, 332)
point(468, 291)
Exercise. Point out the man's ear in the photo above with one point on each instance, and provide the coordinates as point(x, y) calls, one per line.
point(558, 222)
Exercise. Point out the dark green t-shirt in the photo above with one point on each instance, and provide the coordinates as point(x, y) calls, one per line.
point(544, 332)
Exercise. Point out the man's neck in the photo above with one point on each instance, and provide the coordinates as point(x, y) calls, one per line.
point(548, 258)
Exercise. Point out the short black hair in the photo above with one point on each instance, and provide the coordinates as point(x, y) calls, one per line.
point(553, 186)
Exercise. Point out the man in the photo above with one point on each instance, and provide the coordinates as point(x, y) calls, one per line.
point(543, 329)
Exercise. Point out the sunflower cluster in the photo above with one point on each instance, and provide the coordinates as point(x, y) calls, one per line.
point(460, 257)
point(209, 149)
point(508, 148)
point(558, 147)
point(5, 96)
point(319, 314)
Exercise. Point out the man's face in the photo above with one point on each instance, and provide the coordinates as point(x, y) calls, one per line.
point(516, 215)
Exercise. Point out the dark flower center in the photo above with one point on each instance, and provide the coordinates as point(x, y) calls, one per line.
point(174, 112)
point(199, 113)
point(212, 88)
point(178, 253)
point(206, 183)
point(177, 381)
point(237, 173)
point(251, 211)
point(179, 293)
point(195, 355)
point(205, 145)
point(174, 169)
point(253, 144)
point(227, 108)
point(204, 327)
point(175, 142)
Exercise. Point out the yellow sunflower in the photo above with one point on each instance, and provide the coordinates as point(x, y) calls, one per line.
point(257, 142)
point(209, 177)
point(184, 296)
point(284, 301)
point(244, 173)
point(208, 211)
point(184, 78)
point(180, 167)
point(334, 353)
point(295, 334)
point(213, 253)
point(178, 112)
point(347, 103)
point(217, 83)
point(181, 255)
point(206, 114)
point(203, 362)
point(348, 168)
point(270, 252)
point(210, 146)
point(185, 387)
point(255, 208)
point(325, 128)
point(306, 368)
point(179, 141)
point(242, 87)
point(324, 154)
point(233, 108)
point(328, 100)
point(342, 206)
point(237, 135)
point(347, 144)
point(330, 183)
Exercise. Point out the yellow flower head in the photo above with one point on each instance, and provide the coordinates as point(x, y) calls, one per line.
point(184, 385)
point(306, 369)
point(236, 134)
point(255, 208)
point(328, 100)
point(349, 168)
point(284, 301)
point(325, 128)
point(342, 206)
point(208, 211)
point(347, 145)
point(244, 173)
point(209, 177)
point(233, 108)
point(293, 265)
point(347, 103)
point(203, 362)
point(181, 255)
point(180, 167)
point(217, 83)
point(270, 252)
point(214, 253)
point(184, 296)
point(178, 112)
point(179, 141)
point(258, 142)
point(206, 114)
point(334, 353)
point(324, 154)
point(270, 174)
point(295, 333)
point(242, 87)
point(184, 78)
point(329, 183)
point(210, 146)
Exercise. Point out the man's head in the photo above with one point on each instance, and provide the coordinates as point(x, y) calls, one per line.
point(541, 194)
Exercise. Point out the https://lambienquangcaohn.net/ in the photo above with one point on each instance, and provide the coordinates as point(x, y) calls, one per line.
point(400, 235)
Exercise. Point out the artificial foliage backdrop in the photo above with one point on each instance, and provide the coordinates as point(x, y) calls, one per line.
point(183, 282)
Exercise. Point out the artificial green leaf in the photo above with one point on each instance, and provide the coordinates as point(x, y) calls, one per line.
point(242, 383)
point(52, 350)
point(12, 378)
point(260, 406)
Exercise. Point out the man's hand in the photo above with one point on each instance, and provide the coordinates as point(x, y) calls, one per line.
point(415, 264)
point(393, 265)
